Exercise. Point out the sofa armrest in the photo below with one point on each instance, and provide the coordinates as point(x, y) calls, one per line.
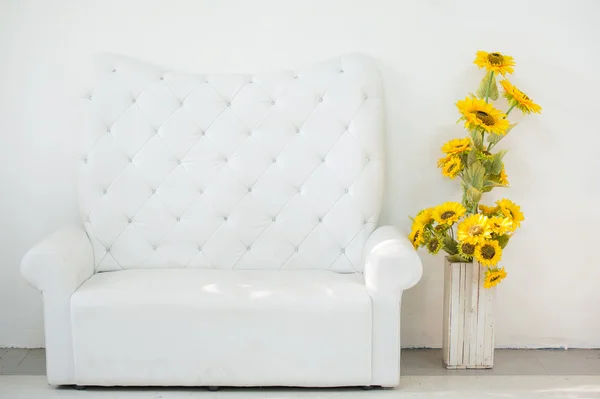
point(392, 265)
point(61, 262)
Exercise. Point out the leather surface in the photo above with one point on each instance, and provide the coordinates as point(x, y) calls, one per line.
point(57, 266)
point(391, 266)
point(267, 171)
point(218, 327)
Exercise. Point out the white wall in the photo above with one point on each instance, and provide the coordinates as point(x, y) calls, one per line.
point(424, 48)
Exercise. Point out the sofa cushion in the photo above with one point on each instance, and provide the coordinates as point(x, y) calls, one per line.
point(247, 171)
point(216, 327)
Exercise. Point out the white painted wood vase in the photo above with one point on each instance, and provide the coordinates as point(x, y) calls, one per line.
point(468, 339)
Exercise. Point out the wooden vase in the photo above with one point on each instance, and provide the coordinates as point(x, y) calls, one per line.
point(468, 336)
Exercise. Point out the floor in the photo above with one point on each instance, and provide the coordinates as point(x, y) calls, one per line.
point(516, 374)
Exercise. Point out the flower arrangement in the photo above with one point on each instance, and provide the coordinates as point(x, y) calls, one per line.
point(469, 230)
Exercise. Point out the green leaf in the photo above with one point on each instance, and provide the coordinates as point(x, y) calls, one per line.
point(450, 246)
point(472, 157)
point(503, 240)
point(457, 259)
point(474, 175)
point(496, 164)
point(485, 83)
point(495, 138)
point(476, 138)
point(474, 195)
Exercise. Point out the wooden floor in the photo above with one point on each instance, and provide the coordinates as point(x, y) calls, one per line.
point(572, 374)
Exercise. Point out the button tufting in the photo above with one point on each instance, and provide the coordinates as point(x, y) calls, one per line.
point(114, 70)
point(248, 248)
point(225, 218)
point(299, 190)
point(297, 130)
point(201, 191)
point(295, 77)
point(181, 104)
point(133, 100)
point(179, 219)
point(341, 71)
point(322, 159)
point(343, 250)
point(108, 249)
point(154, 247)
point(178, 162)
point(202, 132)
point(320, 220)
point(272, 102)
point(89, 97)
point(225, 160)
point(365, 97)
point(130, 160)
point(347, 191)
point(364, 222)
point(273, 219)
point(249, 189)
point(162, 78)
point(249, 133)
point(274, 160)
point(296, 249)
point(321, 99)
point(107, 130)
point(153, 191)
point(200, 248)
point(229, 104)
point(105, 192)
point(347, 128)
point(368, 159)
point(85, 160)
point(155, 131)
point(129, 220)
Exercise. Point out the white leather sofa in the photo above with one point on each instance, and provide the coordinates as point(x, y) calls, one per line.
point(229, 233)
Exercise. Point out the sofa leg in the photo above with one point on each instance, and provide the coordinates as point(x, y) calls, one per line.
point(213, 388)
point(80, 387)
point(367, 387)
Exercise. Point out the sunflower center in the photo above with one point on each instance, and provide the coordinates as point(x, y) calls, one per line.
point(468, 249)
point(475, 230)
point(494, 278)
point(484, 117)
point(495, 59)
point(447, 215)
point(488, 252)
point(416, 238)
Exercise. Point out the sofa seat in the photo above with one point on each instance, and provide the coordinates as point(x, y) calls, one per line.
point(217, 327)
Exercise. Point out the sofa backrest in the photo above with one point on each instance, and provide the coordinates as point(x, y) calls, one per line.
point(232, 171)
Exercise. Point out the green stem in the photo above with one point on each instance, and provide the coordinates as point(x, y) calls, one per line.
point(487, 94)
point(510, 109)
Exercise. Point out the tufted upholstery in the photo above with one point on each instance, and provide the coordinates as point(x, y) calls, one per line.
point(232, 171)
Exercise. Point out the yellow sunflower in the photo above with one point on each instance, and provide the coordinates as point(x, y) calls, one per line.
point(474, 229)
point(448, 212)
point(519, 99)
point(503, 177)
point(457, 146)
point(488, 210)
point(434, 244)
point(424, 217)
point(452, 167)
point(466, 250)
point(479, 114)
point(511, 211)
point(488, 253)
point(495, 62)
point(500, 225)
point(416, 236)
point(493, 277)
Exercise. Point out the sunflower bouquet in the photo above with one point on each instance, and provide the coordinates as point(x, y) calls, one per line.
point(468, 230)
